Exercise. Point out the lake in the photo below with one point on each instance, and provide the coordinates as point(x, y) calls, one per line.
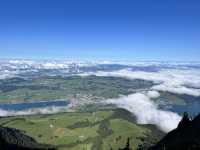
point(192, 108)
point(30, 105)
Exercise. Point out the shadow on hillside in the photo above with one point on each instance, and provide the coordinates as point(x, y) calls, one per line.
point(185, 137)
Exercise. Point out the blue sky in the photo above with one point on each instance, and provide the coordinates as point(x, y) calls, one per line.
point(100, 29)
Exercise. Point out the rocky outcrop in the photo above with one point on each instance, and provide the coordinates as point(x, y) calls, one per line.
point(185, 137)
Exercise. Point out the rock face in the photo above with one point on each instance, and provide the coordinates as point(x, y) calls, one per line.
point(185, 137)
point(12, 139)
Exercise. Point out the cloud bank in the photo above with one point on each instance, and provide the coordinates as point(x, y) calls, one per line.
point(146, 111)
point(178, 81)
point(175, 77)
point(33, 111)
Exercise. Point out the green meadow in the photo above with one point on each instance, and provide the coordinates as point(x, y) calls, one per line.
point(70, 88)
point(102, 129)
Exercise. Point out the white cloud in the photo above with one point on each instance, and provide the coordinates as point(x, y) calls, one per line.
point(7, 74)
point(146, 111)
point(177, 89)
point(153, 94)
point(172, 80)
point(43, 110)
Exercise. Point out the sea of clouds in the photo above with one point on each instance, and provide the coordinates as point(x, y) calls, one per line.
point(178, 81)
point(173, 77)
point(174, 80)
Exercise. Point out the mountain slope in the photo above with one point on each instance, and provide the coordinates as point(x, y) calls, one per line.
point(12, 139)
point(185, 137)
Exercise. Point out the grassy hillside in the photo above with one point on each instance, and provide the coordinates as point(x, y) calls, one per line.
point(101, 130)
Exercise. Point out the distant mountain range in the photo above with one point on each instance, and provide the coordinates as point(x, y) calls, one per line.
point(19, 67)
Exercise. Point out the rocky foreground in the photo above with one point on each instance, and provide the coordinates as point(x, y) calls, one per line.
point(185, 137)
